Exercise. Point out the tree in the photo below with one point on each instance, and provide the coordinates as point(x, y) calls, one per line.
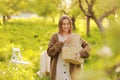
point(70, 9)
point(46, 8)
point(91, 11)
point(74, 12)
point(8, 7)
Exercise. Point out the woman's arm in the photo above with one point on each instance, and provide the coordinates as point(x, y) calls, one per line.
point(86, 49)
point(54, 47)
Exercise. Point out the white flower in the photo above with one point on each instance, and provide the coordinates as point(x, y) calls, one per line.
point(117, 70)
point(105, 51)
point(4, 72)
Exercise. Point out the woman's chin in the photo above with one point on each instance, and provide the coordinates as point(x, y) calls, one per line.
point(66, 31)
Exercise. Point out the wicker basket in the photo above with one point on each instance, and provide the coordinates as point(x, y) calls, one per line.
point(70, 50)
point(69, 55)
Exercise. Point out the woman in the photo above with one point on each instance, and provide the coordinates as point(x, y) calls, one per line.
point(60, 69)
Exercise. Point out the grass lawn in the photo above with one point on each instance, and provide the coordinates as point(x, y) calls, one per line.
point(32, 36)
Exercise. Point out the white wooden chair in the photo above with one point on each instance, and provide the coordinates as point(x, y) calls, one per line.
point(17, 57)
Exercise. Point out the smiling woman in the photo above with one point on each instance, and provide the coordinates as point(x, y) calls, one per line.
point(59, 41)
point(65, 25)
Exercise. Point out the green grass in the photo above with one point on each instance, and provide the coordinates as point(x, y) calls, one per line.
point(32, 37)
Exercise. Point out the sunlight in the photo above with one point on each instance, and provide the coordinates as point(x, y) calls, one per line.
point(68, 2)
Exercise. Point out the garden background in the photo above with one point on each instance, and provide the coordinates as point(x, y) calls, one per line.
point(29, 24)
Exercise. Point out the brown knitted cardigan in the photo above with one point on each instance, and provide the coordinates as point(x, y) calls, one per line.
point(54, 48)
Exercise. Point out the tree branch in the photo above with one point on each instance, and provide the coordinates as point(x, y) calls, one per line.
point(81, 7)
point(106, 14)
point(87, 2)
point(92, 3)
point(90, 8)
point(64, 12)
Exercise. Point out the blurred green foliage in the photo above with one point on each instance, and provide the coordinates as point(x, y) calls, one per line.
point(32, 37)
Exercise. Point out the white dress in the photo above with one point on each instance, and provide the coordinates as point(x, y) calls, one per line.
point(62, 69)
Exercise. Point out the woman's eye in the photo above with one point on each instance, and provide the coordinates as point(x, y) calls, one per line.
point(66, 24)
point(63, 23)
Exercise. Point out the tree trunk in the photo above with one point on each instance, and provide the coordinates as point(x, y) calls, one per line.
point(88, 26)
point(8, 17)
point(4, 19)
point(100, 25)
point(73, 22)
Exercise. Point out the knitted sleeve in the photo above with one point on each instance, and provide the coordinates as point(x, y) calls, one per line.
point(54, 46)
point(86, 49)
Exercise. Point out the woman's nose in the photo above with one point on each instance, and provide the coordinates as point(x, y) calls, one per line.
point(66, 25)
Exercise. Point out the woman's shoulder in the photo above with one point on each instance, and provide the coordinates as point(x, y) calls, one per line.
point(54, 34)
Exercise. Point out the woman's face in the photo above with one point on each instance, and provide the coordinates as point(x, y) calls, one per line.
point(66, 26)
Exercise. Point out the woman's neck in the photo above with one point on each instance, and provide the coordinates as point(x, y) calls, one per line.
point(65, 34)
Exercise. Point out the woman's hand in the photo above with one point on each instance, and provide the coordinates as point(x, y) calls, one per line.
point(67, 40)
point(84, 53)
